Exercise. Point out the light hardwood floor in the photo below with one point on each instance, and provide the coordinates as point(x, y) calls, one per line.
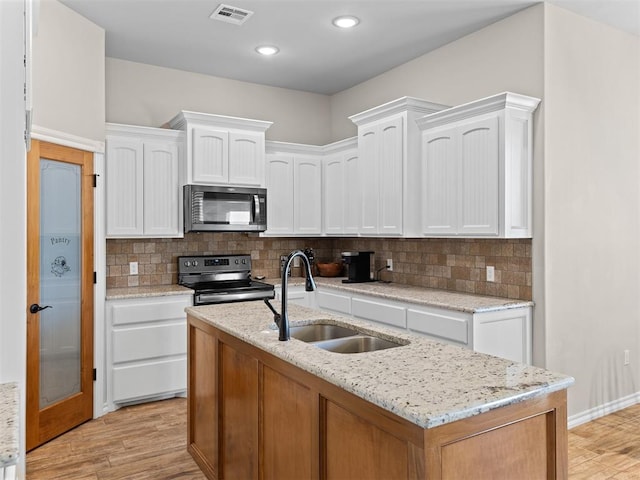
point(149, 442)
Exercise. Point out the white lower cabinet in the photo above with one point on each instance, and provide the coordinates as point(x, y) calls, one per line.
point(448, 325)
point(146, 348)
point(503, 333)
point(379, 310)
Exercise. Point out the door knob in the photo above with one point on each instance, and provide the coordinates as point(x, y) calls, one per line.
point(35, 308)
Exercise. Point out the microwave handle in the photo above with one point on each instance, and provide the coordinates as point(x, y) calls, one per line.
point(256, 207)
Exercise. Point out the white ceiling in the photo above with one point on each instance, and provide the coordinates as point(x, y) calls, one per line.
point(314, 55)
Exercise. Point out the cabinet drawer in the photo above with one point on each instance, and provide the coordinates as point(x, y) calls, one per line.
point(379, 312)
point(150, 311)
point(440, 323)
point(149, 379)
point(139, 343)
point(333, 302)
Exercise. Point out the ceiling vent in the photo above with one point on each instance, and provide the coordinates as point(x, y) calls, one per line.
point(229, 14)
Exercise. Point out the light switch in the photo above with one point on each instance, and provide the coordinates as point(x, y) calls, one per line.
point(133, 268)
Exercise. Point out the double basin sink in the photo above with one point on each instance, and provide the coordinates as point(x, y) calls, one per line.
point(339, 339)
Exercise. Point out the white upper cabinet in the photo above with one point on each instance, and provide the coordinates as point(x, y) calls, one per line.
point(294, 189)
point(340, 188)
point(143, 197)
point(477, 168)
point(389, 167)
point(223, 150)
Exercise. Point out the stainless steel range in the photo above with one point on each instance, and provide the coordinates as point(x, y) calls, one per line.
point(221, 279)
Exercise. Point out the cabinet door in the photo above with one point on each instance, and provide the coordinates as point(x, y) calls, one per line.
point(210, 156)
point(124, 195)
point(307, 188)
point(390, 164)
point(351, 193)
point(505, 333)
point(246, 159)
point(279, 194)
point(238, 427)
point(440, 183)
point(335, 204)
point(479, 175)
point(161, 190)
point(286, 430)
point(368, 180)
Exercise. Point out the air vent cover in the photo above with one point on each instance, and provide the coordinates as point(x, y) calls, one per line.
point(229, 14)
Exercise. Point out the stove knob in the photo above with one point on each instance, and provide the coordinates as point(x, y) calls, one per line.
point(237, 261)
point(187, 263)
point(195, 263)
point(244, 261)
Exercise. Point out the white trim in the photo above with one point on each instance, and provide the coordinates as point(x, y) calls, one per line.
point(505, 100)
point(135, 131)
point(185, 117)
point(66, 139)
point(400, 105)
point(100, 406)
point(602, 410)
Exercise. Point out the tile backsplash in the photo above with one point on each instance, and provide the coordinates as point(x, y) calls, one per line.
point(449, 264)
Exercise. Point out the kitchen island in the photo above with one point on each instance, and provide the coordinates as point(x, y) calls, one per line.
point(261, 408)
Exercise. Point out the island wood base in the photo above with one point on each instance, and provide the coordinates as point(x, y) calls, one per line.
point(254, 416)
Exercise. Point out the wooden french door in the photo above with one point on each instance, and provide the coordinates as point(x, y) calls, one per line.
point(60, 290)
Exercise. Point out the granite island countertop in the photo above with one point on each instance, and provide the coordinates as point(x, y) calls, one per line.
point(426, 382)
point(430, 297)
point(9, 437)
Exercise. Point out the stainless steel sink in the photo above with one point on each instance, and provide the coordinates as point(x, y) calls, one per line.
point(318, 332)
point(357, 344)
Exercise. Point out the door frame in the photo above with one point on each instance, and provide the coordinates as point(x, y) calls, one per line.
point(41, 423)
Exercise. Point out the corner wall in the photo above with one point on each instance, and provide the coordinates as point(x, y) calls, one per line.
point(13, 254)
point(592, 207)
point(68, 73)
point(148, 95)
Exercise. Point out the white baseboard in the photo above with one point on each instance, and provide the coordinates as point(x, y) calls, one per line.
point(602, 410)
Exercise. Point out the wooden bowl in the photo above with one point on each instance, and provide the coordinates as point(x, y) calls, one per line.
point(333, 269)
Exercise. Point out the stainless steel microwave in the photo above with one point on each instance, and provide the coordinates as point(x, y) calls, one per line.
point(224, 209)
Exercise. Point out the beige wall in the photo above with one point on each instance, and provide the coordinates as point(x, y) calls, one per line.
point(592, 205)
point(504, 56)
point(147, 95)
point(68, 73)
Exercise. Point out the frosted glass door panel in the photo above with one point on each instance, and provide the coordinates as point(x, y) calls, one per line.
point(60, 280)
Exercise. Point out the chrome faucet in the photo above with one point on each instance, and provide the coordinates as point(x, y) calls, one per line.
point(282, 319)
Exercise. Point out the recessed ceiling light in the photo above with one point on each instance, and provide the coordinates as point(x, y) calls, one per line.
point(267, 50)
point(346, 21)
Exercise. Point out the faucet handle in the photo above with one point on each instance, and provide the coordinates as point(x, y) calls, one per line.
point(276, 315)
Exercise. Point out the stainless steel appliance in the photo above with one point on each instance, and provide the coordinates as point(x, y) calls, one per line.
point(210, 208)
point(358, 266)
point(221, 279)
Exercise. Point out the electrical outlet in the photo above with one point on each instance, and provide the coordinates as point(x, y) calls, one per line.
point(491, 274)
point(626, 357)
point(390, 264)
point(133, 268)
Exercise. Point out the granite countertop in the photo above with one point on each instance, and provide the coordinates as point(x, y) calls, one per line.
point(463, 302)
point(147, 291)
point(426, 382)
point(9, 407)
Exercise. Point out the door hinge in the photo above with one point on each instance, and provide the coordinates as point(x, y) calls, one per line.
point(95, 278)
point(95, 180)
point(95, 375)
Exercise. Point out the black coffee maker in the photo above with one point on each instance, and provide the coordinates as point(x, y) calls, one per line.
point(358, 266)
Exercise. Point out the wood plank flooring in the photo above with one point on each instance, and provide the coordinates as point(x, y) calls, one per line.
point(607, 448)
point(149, 442)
